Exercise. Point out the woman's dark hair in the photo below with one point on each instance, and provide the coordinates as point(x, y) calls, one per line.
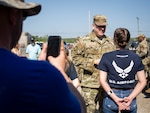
point(121, 37)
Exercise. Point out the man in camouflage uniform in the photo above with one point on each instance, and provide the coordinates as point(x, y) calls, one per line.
point(146, 62)
point(142, 51)
point(86, 54)
point(142, 48)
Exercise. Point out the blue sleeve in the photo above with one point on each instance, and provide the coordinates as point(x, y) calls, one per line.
point(141, 66)
point(71, 71)
point(102, 64)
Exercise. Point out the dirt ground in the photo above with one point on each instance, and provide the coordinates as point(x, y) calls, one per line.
point(143, 102)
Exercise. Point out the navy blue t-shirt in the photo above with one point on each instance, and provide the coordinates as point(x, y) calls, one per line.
point(121, 67)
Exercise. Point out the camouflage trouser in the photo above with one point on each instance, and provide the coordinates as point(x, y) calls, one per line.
point(93, 98)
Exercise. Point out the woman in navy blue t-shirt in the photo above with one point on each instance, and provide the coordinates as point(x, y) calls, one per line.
point(118, 72)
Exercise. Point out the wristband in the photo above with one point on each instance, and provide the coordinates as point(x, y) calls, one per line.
point(109, 92)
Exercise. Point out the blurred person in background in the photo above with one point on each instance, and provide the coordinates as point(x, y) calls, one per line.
point(142, 48)
point(143, 51)
point(33, 50)
point(16, 50)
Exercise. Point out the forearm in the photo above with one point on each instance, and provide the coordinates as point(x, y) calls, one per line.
point(80, 59)
point(107, 89)
point(85, 63)
point(140, 85)
point(138, 88)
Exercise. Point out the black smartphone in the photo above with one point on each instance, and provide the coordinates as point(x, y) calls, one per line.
point(54, 43)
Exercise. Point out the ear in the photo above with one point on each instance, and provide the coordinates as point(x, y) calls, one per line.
point(13, 16)
point(93, 25)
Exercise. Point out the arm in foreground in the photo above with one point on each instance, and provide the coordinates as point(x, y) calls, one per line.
point(138, 88)
point(105, 85)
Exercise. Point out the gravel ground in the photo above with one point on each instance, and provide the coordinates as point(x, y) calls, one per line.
point(143, 103)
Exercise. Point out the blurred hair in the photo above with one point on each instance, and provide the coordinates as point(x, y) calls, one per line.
point(121, 37)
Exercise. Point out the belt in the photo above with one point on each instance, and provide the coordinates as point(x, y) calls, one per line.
point(122, 88)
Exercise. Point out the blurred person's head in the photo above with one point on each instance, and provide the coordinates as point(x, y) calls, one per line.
point(13, 13)
point(141, 37)
point(32, 41)
point(121, 37)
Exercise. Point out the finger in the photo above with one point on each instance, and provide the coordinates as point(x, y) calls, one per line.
point(126, 105)
point(121, 106)
point(128, 108)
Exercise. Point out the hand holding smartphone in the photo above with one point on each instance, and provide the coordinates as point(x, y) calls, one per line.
point(54, 43)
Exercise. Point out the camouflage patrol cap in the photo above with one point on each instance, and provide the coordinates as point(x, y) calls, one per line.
point(141, 35)
point(28, 9)
point(100, 20)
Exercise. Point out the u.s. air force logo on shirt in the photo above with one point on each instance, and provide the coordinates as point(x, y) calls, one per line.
point(123, 73)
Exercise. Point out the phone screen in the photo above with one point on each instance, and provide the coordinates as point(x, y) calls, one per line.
point(53, 48)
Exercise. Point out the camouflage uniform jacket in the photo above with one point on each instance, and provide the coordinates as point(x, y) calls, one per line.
point(85, 50)
point(142, 49)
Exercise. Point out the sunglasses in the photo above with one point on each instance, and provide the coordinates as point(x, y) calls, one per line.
point(101, 26)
